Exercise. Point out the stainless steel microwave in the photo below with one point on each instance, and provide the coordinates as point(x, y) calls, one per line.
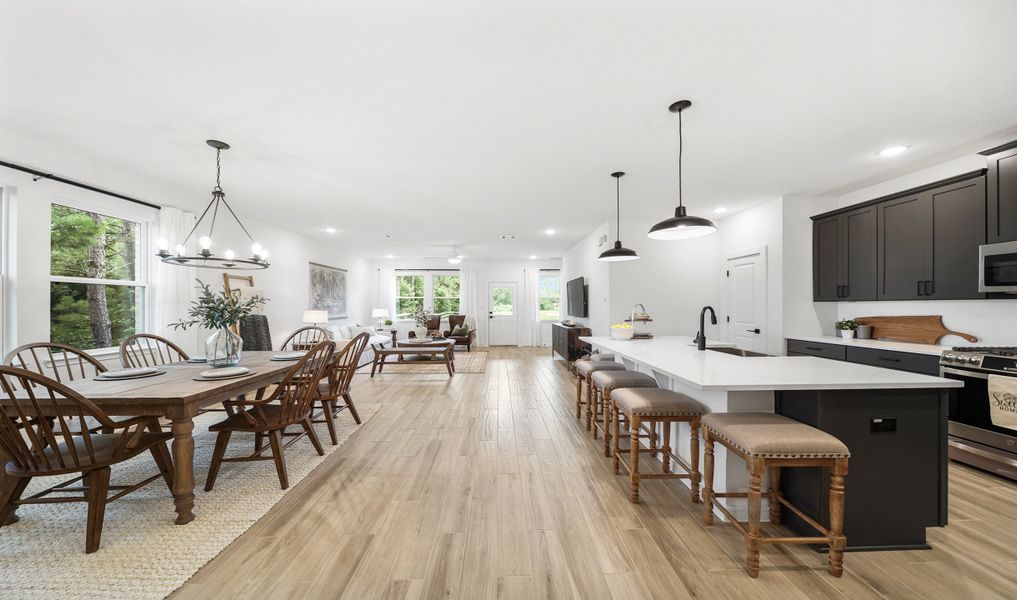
point(997, 267)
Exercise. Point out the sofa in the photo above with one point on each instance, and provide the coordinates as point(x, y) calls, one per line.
point(462, 340)
point(348, 332)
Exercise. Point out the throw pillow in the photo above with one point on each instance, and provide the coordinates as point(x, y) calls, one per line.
point(461, 330)
point(356, 330)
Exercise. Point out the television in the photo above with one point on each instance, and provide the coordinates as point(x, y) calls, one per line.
point(576, 292)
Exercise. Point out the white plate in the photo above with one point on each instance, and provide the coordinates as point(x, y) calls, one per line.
point(288, 355)
point(224, 372)
point(125, 373)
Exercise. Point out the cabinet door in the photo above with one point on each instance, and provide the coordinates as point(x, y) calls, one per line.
point(1002, 196)
point(955, 227)
point(858, 254)
point(901, 242)
point(826, 281)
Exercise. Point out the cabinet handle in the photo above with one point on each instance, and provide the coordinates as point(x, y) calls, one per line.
point(920, 288)
point(813, 348)
point(930, 287)
point(887, 358)
point(847, 291)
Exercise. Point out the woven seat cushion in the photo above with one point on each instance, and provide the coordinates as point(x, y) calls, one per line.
point(766, 435)
point(585, 367)
point(656, 402)
point(612, 380)
point(602, 357)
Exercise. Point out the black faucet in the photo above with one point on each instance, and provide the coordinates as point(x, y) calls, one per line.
point(701, 336)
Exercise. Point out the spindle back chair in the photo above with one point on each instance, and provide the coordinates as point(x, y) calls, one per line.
point(149, 350)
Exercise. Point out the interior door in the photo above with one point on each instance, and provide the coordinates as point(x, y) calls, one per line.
point(745, 300)
point(503, 314)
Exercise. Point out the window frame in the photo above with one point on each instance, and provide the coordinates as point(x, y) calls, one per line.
point(540, 274)
point(428, 275)
point(142, 277)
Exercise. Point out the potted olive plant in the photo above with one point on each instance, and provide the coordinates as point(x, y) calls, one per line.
point(219, 312)
point(420, 320)
point(847, 328)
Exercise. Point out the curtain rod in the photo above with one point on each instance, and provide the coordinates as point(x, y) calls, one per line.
point(43, 175)
point(428, 270)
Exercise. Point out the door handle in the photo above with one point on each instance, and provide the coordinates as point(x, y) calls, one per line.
point(756, 330)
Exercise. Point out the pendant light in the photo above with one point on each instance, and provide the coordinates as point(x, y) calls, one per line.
point(681, 226)
point(204, 258)
point(618, 253)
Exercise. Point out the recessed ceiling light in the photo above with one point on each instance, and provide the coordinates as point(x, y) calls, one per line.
point(550, 231)
point(533, 257)
point(330, 230)
point(893, 151)
point(383, 236)
point(720, 209)
point(507, 236)
point(390, 256)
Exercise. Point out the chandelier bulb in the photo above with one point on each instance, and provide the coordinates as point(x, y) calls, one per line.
point(205, 242)
point(229, 254)
point(181, 250)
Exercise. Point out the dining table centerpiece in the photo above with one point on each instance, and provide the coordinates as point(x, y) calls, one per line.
point(220, 312)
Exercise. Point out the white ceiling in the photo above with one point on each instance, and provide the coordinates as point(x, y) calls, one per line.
point(449, 123)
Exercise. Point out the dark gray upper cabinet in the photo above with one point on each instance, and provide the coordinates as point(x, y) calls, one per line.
point(901, 248)
point(844, 265)
point(954, 228)
point(916, 245)
point(1002, 193)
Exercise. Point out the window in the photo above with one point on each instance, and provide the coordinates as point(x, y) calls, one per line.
point(435, 291)
point(549, 295)
point(97, 286)
point(409, 295)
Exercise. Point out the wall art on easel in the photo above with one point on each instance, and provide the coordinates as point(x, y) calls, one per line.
point(327, 290)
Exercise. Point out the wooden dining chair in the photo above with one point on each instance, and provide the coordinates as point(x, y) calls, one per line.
point(57, 361)
point(149, 350)
point(305, 338)
point(61, 443)
point(289, 403)
point(337, 384)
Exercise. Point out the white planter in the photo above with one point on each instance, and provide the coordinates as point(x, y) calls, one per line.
point(421, 332)
point(847, 334)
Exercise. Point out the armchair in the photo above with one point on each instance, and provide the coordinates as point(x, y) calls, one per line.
point(461, 340)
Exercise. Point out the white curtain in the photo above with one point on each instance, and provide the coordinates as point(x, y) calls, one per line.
point(172, 286)
point(468, 295)
point(531, 281)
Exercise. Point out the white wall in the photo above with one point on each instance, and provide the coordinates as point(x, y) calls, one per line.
point(993, 321)
point(487, 272)
point(802, 316)
point(285, 282)
point(581, 261)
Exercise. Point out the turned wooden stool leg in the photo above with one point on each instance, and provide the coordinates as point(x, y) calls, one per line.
point(665, 456)
point(634, 424)
point(589, 403)
point(756, 467)
point(838, 541)
point(579, 396)
point(694, 475)
point(775, 495)
point(708, 479)
point(615, 434)
point(598, 395)
point(606, 409)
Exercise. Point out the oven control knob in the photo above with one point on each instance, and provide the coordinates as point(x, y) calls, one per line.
point(948, 357)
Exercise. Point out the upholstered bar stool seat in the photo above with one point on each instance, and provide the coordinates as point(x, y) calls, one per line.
point(769, 441)
point(584, 369)
point(605, 382)
point(653, 406)
point(602, 357)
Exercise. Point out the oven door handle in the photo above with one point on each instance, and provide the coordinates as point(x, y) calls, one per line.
point(982, 453)
point(972, 374)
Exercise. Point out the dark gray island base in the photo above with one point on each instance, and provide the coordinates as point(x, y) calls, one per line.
point(897, 483)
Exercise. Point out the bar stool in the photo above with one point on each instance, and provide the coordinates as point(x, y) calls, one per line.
point(766, 440)
point(603, 383)
point(584, 369)
point(655, 406)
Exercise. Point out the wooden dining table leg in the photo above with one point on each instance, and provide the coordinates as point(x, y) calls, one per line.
point(183, 468)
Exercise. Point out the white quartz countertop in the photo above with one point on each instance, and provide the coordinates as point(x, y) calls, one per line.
point(677, 357)
point(912, 347)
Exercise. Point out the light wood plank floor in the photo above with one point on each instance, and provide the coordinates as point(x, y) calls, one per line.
point(484, 486)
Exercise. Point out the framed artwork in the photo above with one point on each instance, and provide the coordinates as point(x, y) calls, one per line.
point(327, 290)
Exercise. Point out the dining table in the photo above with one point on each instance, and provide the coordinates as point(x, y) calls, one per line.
point(176, 395)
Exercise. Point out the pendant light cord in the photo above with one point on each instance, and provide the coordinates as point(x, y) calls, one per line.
point(617, 208)
point(680, 144)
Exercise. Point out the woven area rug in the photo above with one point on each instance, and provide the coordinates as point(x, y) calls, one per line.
point(143, 554)
point(466, 362)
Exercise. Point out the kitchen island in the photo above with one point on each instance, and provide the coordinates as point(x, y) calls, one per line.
point(893, 422)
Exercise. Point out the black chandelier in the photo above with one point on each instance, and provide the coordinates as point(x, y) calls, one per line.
point(205, 259)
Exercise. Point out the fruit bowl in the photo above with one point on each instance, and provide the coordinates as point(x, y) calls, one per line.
point(622, 332)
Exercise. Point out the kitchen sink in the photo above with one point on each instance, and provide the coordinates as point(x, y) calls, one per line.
point(737, 352)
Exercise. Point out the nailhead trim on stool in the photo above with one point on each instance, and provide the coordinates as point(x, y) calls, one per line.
point(585, 368)
point(655, 406)
point(769, 441)
point(604, 382)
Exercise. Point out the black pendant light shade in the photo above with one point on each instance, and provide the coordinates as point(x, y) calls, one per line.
point(618, 252)
point(681, 226)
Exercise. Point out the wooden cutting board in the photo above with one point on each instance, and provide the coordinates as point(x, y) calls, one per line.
point(921, 330)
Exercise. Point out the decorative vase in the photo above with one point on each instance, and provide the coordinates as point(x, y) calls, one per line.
point(864, 332)
point(224, 348)
point(847, 334)
point(420, 332)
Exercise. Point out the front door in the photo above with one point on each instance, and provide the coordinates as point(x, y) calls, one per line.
point(503, 311)
point(745, 299)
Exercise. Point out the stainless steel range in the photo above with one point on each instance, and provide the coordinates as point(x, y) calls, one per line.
point(973, 438)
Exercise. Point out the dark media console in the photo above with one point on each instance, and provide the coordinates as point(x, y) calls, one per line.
point(565, 341)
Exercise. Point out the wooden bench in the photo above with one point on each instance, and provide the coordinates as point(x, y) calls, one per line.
point(434, 353)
